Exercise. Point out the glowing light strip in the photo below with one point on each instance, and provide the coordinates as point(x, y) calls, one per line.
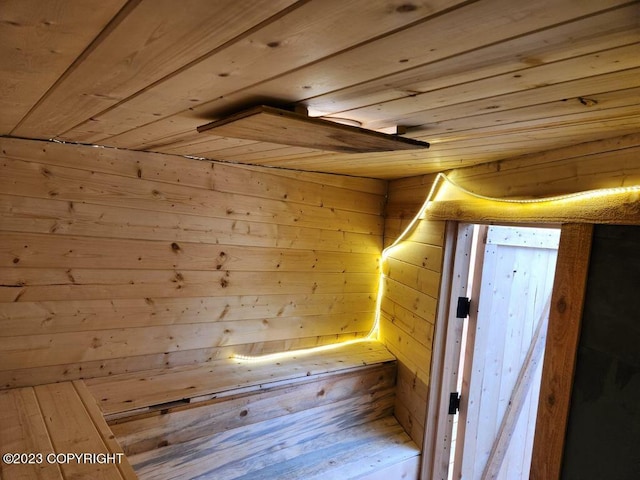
point(441, 177)
point(296, 353)
point(600, 192)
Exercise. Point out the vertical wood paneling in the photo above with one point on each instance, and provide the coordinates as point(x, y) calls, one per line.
point(119, 261)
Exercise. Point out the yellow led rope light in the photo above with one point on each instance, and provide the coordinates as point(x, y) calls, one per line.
point(441, 177)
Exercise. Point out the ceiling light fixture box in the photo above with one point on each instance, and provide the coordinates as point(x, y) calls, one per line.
point(274, 125)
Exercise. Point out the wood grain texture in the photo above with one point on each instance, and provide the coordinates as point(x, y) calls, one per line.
point(131, 391)
point(561, 347)
point(181, 423)
point(104, 268)
point(145, 74)
point(276, 48)
point(265, 123)
point(58, 419)
point(24, 431)
point(339, 440)
point(121, 64)
point(21, 377)
point(39, 42)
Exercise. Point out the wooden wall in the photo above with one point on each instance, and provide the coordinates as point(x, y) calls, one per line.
point(408, 307)
point(113, 260)
point(411, 291)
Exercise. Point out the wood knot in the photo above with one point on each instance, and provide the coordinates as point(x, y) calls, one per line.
point(561, 305)
point(587, 102)
point(244, 413)
point(406, 7)
point(175, 247)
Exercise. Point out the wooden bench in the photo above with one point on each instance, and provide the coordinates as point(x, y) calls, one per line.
point(320, 415)
point(49, 421)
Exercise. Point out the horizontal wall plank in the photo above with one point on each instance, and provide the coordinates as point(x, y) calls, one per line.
point(37, 215)
point(411, 398)
point(410, 353)
point(36, 284)
point(421, 278)
point(415, 301)
point(420, 254)
point(49, 251)
point(71, 184)
point(118, 261)
point(21, 377)
point(68, 316)
point(62, 348)
point(598, 164)
point(408, 321)
point(343, 193)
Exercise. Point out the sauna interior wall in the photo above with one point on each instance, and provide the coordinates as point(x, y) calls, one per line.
point(414, 270)
point(114, 261)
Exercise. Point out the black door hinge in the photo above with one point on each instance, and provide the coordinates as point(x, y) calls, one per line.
point(454, 403)
point(464, 306)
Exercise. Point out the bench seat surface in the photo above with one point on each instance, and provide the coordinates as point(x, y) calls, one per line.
point(57, 418)
point(140, 390)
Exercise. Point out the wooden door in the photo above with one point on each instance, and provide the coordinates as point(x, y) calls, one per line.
point(501, 374)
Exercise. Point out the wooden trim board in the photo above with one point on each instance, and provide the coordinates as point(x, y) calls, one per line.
point(560, 355)
point(268, 124)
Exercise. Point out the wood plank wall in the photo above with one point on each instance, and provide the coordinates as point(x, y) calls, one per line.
point(408, 307)
point(114, 261)
point(411, 292)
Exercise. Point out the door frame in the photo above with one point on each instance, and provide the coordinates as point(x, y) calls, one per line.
point(558, 363)
point(445, 357)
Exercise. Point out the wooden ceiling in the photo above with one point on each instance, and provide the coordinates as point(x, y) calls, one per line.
point(481, 80)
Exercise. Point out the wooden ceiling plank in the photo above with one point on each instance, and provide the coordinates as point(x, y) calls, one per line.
point(601, 101)
point(197, 143)
point(528, 79)
point(188, 120)
point(583, 87)
point(396, 165)
point(584, 36)
point(478, 124)
point(477, 24)
point(289, 42)
point(157, 38)
point(547, 159)
point(489, 139)
point(39, 41)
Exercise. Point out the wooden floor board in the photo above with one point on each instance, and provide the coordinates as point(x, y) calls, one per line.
point(308, 447)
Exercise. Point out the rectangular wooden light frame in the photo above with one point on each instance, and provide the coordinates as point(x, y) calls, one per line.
point(273, 125)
